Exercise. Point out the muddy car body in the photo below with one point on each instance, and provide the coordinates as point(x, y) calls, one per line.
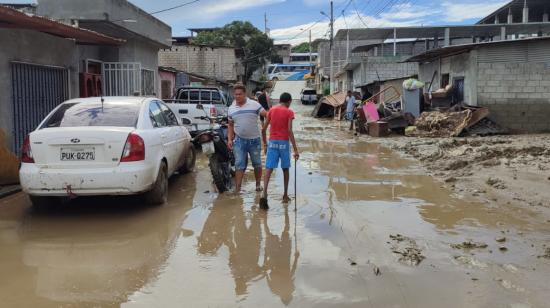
point(105, 146)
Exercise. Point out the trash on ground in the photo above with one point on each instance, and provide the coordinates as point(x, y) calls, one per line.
point(376, 271)
point(469, 244)
point(407, 249)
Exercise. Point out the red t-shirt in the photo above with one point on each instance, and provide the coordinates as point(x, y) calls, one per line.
point(278, 117)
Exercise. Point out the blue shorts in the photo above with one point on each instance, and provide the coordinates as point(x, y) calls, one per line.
point(278, 150)
point(242, 148)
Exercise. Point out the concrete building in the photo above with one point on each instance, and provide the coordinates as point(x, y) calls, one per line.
point(131, 68)
point(218, 62)
point(167, 82)
point(112, 49)
point(519, 11)
point(283, 51)
point(39, 68)
point(510, 77)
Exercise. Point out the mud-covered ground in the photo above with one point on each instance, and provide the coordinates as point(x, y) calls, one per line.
point(512, 169)
point(371, 229)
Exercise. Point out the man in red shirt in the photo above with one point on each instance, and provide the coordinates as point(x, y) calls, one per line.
point(278, 149)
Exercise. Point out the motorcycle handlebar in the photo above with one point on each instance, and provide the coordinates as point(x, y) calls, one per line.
point(216, 119)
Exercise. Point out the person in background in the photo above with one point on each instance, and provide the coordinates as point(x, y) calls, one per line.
point(244, 135)
point(264, 100)
point(350, 105)
point(281, 136)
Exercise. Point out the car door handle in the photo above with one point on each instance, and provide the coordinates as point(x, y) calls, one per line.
point(163, 136)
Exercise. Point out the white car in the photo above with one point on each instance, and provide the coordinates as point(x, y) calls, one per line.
point(105, 146)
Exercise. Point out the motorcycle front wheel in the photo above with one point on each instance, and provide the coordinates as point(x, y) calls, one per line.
point(221, 174)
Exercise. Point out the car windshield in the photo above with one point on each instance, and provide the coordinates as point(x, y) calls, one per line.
point(94, 114)
point(310, 92)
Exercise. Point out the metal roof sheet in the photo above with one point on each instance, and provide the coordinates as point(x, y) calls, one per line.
point(11, 18)
point(458, 49)
point(480, 30)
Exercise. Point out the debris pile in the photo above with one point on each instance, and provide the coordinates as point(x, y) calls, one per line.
point(407, 249)
point(469, 244)
point(441, 124)
point(330, 106)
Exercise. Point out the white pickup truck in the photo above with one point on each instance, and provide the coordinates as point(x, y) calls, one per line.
point(184, 104)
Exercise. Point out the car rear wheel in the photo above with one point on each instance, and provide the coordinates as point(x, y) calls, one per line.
point(158, 195)
point(190, 160)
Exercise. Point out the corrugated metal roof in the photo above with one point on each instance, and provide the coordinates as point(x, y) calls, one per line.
point(482, 30)
point(336, 99)
point(458, 49)
point(11, 18)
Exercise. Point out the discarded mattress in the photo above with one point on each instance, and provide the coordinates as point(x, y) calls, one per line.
point(330, 106)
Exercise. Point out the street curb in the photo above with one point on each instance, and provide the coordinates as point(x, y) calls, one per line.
point(9, 190)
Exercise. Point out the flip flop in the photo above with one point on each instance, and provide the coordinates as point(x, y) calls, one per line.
point(259, 188)
point(263, 203)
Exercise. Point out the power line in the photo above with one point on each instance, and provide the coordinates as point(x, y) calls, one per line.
point(359, 15)
point(306, 29)
point(174, 7)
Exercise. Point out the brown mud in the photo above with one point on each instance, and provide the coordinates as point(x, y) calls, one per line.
point(358, 203)
point(507, 170)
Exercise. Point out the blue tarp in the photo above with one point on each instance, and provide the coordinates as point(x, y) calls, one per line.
point(298, 75)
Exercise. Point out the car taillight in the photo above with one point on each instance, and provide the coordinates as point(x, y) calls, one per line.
point(213, 112)
point(134, 149)
point(26, 153)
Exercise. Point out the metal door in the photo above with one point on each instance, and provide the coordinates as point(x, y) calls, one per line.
point(37, 90)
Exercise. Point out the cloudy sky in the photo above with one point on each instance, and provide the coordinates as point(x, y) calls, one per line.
point(287, 18)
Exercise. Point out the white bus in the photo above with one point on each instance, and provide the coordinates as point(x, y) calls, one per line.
point(288, 71)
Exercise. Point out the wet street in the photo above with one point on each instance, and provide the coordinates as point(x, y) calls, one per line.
point(370, 230)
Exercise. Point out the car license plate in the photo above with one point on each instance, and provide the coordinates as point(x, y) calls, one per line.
point(77, 154)
point(208, 148)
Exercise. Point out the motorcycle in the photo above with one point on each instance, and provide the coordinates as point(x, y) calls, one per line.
point(213, 142)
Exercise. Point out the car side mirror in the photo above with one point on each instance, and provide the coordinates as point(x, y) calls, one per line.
point(200, 106)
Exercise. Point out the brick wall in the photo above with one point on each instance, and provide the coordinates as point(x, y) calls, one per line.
point(518, 94)
point(219, 62)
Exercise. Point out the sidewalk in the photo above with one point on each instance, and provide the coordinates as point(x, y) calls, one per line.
point(7, 190)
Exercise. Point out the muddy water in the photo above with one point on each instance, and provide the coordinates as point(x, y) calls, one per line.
point(209, 250)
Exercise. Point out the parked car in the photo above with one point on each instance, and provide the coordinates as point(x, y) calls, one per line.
point(214, 102)
point(309, 96)
point(105, 146)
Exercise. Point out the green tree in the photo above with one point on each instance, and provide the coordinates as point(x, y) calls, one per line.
point(302, 47)
point(256, 46)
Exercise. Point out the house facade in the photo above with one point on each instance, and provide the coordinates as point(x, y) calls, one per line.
point(58, 50)
point(219, 62)
point(511, 78)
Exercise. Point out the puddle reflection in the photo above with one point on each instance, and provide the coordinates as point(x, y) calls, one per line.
point(256, 251)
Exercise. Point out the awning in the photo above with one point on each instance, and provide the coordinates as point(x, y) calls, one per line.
point(10, 18)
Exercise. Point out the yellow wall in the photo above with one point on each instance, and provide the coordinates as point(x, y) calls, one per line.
point(9, 163)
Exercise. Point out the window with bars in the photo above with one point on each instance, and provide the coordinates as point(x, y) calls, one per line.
point(147, 82)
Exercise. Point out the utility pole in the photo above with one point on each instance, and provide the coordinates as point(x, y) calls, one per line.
point(331, 47)
point(310, 59)
point(265, 24)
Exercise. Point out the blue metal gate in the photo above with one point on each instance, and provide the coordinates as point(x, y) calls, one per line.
point(36, 90)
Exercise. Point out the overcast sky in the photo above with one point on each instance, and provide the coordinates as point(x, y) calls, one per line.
point(286, 18)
